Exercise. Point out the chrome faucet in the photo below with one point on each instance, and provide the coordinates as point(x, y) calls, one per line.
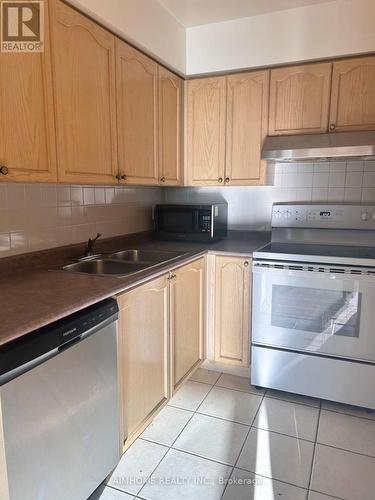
point(90, 245)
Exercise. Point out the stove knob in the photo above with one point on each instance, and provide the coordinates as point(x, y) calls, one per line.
point(287, 214)
point(365, 216)
point(277, 214)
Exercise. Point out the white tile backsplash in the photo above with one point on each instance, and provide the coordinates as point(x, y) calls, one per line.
point(250, 207)
point(38, 216)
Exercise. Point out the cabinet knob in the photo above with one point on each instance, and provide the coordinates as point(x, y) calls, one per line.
point(123, 177)
point(226, 180)
point(162, 179)
point(220, 179)
point(4, 170)
point(118, 177)
point(246, 263)
point(332, 126)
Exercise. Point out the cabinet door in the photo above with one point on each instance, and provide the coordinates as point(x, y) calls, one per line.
point(247, 125)
point(143, 352)
point(84, 84)
point(353, 95)
point(170, 127)
point(299, 99)
point(232, 310)
point(186, 320)
point(206, 108)
point(137, 98)
point(27, 143)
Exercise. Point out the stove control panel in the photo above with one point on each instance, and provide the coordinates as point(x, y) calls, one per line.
point(343, 216)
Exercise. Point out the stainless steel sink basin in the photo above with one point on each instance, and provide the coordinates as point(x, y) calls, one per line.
point(105, 267)
point(150, 256)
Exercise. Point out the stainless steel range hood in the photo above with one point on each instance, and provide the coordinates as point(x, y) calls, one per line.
point(340, 145)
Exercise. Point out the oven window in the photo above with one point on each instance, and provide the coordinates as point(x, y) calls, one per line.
point(176, 221)
point(331, 312)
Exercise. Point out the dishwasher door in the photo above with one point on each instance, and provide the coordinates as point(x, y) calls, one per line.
point(61, 421)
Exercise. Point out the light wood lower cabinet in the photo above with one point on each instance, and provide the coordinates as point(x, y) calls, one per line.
point(232, 310)
point(187, 305)
point(143, 353)
point(160, 343)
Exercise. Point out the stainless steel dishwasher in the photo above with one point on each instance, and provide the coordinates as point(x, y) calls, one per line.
point(60, 411)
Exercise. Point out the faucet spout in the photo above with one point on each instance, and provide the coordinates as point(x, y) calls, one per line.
point(90, 245)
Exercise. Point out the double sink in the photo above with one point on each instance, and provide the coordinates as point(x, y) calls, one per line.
point(123, 263)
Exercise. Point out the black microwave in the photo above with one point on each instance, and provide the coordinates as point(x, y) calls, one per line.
point(196, 222)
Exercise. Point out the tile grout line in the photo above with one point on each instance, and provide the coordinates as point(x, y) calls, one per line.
point(243, 444)
point(171, 446)
point(314, 450)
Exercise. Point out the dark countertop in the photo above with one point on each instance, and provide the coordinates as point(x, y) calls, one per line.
point(32, 299)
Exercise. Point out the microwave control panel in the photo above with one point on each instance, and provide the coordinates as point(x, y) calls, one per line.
point(324, 216)
point(206, 223)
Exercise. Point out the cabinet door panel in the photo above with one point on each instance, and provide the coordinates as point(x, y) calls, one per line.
point(170, 127)
point(247, 125)
point(143, 352)
point(206, 109)
point(353, 95)
point(186, 319)
point(85, 99)
point(27, 130)
point(232, 310)
point(299, 99)
point(136, 82)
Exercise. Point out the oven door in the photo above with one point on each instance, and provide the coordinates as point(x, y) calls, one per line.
point(315, 308)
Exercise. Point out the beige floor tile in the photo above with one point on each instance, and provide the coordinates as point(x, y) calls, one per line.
point(212, 438)
point(294, 398)
point(205, 376)
point(356, 411)
point(167, 425)
point(347, 432)
point(136, 465)
point(181, 476)
point(313, 495)
point(190, 395)
point(276, 456)
point(343, 474)
point(288, 418)
point(231, 405)
point(245, 485)
point(238, 384)
point(106, 493)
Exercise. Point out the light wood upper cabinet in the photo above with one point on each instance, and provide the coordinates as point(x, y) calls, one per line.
point(299, 99)
point(247, 125)
point(27, 131)
point(84, 85)
point(187, 304)
point(206, 110)
point(143, 353)
point(137, 101)
point(232, 310)
point(353, 95)
point(170, 127)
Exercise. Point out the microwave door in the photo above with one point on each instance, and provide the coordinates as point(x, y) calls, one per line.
point(177, 220)
point(329, 313)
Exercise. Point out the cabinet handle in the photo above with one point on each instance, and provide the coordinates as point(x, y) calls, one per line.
point(172, 277)
point(220, 179)
point(123, 177)
point(226, 180)
point(162, 179)
point(246, 263)
point(4, 170)
point(332, 126)
point(118, 177)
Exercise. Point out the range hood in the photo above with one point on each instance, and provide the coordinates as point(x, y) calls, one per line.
point(339, 146)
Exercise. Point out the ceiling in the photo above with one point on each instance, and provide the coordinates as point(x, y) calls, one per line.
point(196, 12)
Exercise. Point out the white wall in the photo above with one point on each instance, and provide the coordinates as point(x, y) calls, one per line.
point(145, 23)
point(341, 27)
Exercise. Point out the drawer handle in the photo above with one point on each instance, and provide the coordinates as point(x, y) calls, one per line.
point(220, 179)
point(4, 170)
point(226, 180)
point(332, 126)
point(162, 179)
point(123, 177)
